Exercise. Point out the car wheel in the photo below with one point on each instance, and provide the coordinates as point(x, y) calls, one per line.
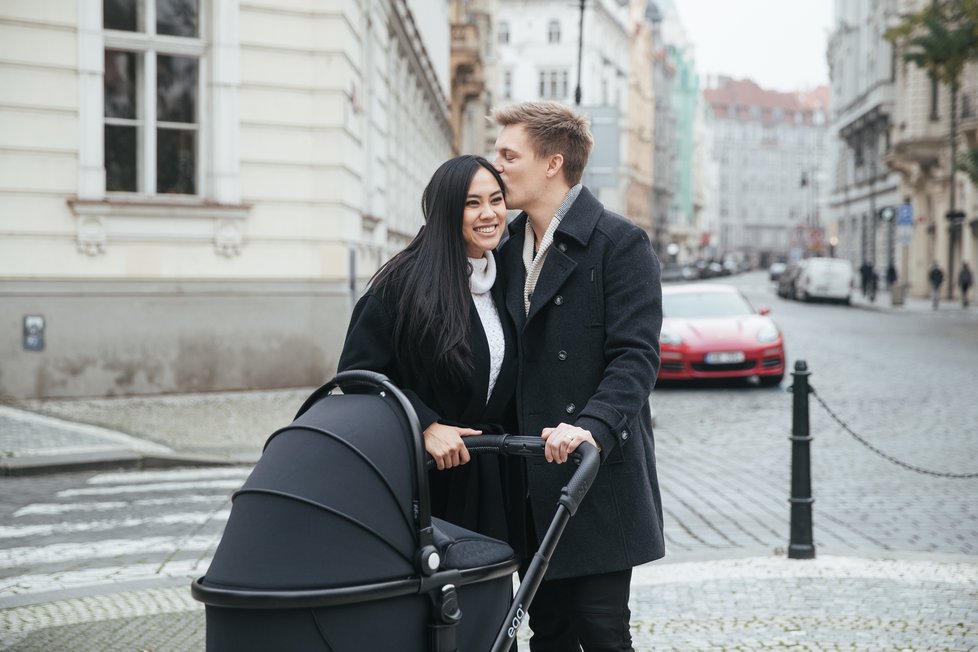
point(771, 381)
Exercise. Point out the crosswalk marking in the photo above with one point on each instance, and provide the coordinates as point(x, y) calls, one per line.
point(128, 477)
point(26, 556)
point(132, 526)
point(52, 509)
point(49, 529)
point(232, 483)
point(62, 581)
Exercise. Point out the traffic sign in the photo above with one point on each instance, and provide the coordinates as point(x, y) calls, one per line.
point(904, 234)
point(905, 214)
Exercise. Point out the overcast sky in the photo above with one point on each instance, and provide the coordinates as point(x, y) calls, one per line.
point(780, 44)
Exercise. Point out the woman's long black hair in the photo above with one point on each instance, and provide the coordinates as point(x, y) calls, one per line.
point(428, 281)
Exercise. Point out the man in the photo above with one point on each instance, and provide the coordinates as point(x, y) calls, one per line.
point(964, 283)
point(936, 277)
point(583, 287)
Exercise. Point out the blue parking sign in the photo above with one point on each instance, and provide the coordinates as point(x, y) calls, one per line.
point(905, 214)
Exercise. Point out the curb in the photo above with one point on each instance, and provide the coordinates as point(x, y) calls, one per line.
point(102, 460)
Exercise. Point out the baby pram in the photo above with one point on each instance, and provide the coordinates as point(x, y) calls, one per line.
point(330, 544)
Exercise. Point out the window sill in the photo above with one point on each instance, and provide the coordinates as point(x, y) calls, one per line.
point(176, 219)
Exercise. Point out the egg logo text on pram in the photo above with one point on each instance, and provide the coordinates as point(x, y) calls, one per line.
point(517, 621)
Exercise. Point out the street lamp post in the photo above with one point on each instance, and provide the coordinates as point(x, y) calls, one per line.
point(580, 55)
point(955, 218)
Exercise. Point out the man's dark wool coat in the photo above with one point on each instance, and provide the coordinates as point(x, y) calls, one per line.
point(589, 355)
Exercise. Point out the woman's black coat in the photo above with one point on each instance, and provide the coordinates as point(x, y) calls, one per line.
point(487, 494)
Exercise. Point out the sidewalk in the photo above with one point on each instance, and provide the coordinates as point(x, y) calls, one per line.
point(42, 436)
point(912, 304)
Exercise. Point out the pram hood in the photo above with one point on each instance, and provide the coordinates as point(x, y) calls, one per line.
point(332, 502)
point(340, 499)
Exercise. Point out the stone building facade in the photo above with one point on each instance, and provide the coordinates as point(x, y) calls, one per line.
point(863, 190)
point(769, 148)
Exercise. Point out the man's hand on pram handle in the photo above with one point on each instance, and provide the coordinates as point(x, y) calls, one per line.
point(563, 440)
point(444, 444)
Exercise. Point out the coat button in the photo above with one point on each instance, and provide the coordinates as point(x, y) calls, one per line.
point(624, 435)
point(570, 408)
point(562, 355)
point(562, 246)
point(559, 300)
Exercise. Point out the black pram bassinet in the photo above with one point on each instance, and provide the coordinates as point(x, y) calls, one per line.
point(330, 544)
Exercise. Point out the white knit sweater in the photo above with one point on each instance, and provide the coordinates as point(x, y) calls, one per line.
point(480, 282)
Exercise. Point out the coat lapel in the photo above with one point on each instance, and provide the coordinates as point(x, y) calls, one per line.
point(479, 384)
point(510, 263)
point(556, 268)
point(577, 225)
point(505, 382)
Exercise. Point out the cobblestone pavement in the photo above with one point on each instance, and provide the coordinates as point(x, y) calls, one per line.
point(896, 565)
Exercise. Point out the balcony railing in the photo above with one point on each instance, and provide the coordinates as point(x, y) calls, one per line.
point(465, 37)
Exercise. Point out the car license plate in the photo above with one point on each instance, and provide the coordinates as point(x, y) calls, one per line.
point(724, 357)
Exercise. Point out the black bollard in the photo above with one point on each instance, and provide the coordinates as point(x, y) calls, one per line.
point(801, 545)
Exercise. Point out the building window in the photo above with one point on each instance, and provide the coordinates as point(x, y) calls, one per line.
point(503, 32)
point(553, 32)
point(508, 84)
point(553, 84)
point(152, 87)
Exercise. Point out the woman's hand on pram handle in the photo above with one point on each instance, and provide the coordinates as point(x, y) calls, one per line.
point(444, 444)
point(563, 440)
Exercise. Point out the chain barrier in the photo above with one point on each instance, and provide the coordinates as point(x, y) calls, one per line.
point(885, 456)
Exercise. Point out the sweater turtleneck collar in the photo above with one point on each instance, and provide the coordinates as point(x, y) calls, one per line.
point(483, 273)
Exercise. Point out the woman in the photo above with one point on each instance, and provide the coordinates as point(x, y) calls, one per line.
point(430, 321)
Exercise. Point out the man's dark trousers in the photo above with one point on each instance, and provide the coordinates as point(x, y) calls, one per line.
point(590, 611)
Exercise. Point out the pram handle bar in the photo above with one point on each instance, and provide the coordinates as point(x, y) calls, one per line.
point(586, 456)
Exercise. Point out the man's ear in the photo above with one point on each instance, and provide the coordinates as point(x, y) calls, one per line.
point(555, 165)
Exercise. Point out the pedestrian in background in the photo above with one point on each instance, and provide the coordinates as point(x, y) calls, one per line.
point(432, 321)
point(965, 280)
point(891, 275)
point(583, 288)
point(936, 277)
point(872, 282)
point(864, 272)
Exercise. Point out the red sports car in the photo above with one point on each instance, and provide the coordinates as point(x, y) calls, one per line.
point(713, 331)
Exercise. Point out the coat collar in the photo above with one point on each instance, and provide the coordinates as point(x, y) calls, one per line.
point(578, 224)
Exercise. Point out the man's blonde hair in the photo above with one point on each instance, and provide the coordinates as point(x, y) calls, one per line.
point(553, 128)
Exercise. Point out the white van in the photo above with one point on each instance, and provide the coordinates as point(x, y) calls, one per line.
point(825, 278)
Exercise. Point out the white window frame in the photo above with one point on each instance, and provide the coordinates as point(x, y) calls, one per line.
point(553, 83)
point(553, 31)
point(215, 212)
point(502, 32)
point(148, 46)
point(217, 49)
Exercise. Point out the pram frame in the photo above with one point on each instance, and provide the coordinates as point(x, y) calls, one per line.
point(429, 578)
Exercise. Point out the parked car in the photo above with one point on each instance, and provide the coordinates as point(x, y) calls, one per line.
point(678, 272)
point(786, 282)
point(713, 331)
point(709, 269)
point(776, 270)
point(829, 279)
